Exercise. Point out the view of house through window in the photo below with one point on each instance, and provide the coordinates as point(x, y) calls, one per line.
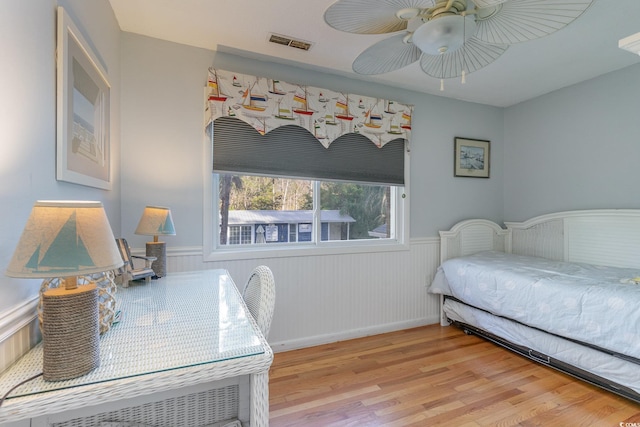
point(267, 210)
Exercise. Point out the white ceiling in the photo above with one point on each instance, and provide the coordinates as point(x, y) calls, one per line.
point(586, 48)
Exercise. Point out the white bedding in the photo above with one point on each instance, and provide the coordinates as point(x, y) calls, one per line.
point(615, 369)
point(593, 304)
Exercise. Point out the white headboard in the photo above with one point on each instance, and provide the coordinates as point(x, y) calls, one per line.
point(603, 237)
point(471, 236)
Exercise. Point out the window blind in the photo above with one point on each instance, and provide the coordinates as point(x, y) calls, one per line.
point(293, 151)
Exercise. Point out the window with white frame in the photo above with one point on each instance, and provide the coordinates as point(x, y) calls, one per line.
point(265, 193)
point(239, 234)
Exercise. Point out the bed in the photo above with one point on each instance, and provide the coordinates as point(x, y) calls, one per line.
point(562, 289)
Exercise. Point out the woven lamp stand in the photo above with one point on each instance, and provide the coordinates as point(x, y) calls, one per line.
point(158, 250)
point(70, 332)
point(107, 288)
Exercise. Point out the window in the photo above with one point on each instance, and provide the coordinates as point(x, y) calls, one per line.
point(238, 234)
point(258, 210)
point(293, 234)
point(268, 208)
point(368, 206)
point(351, 197)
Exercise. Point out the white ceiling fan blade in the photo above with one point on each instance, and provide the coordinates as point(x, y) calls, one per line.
point(387, 55)
point(473, 56)
point(371, 16)
point(487, 3)
point(516, 21)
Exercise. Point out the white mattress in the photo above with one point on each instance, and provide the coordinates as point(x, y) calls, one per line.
point(612, 368)
point(592, 304)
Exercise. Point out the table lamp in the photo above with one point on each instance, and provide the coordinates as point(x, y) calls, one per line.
point(67, 239)
point(155, 221)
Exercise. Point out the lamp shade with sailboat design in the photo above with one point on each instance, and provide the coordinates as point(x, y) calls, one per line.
point(156, 221)
point(67, 239)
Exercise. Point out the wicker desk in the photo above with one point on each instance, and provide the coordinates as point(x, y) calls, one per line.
point(187, 334)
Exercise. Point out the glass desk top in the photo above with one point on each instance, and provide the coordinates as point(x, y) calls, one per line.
point(181, 320)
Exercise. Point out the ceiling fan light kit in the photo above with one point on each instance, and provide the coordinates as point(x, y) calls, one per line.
point(444, 34)
point(450, 38)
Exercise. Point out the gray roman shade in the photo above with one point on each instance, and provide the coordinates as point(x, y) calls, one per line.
point(294, 152)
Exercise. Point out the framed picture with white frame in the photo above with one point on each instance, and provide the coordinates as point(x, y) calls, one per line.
point(83, 143)
point(471, 158)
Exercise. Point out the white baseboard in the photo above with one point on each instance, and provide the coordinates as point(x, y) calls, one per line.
point(352, 334)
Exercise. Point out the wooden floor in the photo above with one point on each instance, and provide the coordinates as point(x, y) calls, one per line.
point(429, 376)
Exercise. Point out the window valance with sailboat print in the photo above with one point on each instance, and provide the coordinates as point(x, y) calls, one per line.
point(267, 104)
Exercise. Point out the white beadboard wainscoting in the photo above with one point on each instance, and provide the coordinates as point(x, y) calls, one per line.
point(328, 298)
point(19, 332)
point(319, 299)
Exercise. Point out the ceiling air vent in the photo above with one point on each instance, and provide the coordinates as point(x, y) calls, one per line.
point(288, 41)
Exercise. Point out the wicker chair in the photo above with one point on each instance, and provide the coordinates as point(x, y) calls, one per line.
point(260, 296)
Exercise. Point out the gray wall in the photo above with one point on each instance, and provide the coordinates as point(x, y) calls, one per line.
point(28, 119)
point(162, 137)
point(576, 148)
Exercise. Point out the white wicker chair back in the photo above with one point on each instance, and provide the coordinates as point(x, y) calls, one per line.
point(260, 296)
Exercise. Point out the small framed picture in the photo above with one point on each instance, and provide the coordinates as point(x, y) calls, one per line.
point(471, 157)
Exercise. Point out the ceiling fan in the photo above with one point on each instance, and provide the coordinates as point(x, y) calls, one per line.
point(450, 38)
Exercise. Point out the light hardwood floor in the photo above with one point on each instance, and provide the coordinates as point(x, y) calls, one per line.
point(429, 376)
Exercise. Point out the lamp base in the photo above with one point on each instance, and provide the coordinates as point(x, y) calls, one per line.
point(158, 250)
point(70, 332)
point(107, 288)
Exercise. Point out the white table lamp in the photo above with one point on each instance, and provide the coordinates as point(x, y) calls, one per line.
point(67, 239)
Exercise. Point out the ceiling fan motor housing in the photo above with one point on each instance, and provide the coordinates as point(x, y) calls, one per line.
point(444, 34)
